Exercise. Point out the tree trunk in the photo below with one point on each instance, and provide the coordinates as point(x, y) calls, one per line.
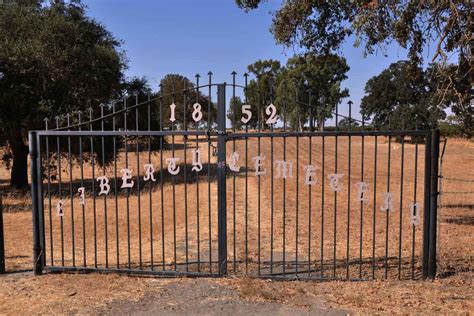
point(19, 175)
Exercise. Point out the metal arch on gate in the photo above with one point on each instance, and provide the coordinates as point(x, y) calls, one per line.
point(274, 225)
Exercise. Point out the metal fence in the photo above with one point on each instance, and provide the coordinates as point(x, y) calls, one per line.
point(141, 190)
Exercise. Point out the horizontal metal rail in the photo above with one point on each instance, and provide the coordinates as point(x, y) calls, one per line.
point(130, 272)
point(327, 133)
point(127, 133)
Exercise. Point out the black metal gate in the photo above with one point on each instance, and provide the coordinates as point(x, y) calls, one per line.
point(272, 196)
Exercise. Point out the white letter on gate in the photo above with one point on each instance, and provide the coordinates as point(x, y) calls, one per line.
point(362, 187)
point(126, 175)
point(172, 168)
point(104, 185)
point(197, 162)
point(387, 202)
point(82, 199)
point(59, 208)
point(414, 215)
point(234, 159)
point(334, 181)
point(172, 109)
point(284, 169)
point(149, 170)
point(258, 165)
point(310, 175)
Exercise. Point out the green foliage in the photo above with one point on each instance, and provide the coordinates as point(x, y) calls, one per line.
point(236, 103)
point(53, 59)
point(171, 88)
point(451, 127)
point(315, 81)
point(401, 96)
point(323, 26)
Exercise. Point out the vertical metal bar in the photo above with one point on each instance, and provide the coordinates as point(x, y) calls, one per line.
point(106, 235)
point(93, 188)
point(221, 178)
point(415, 205)
point(246, 181)
point(49, 196)
point(117, 235)
point(361, 202)
point(323, 145)
point(297, 203)
point(198, 216)
point(174, 189)
point(309, 207)
point(311, 117)
point(209, 169)
point(60, 191)
point(150, 191)
point(234, 245)
point(2, 239)
point(185, 178)
point(163, 254)
point(387, 217)
point(35, 184)
point(335, 198)
point(401, 210)
point(139, 208)
point(349, 193)
point(258, 188)
point(71, 197)
point(284, 188)
point(426, 204)
point(271, 196)
point(83, 208)
point(435, 136)
point(374, 209)
point(127, 190)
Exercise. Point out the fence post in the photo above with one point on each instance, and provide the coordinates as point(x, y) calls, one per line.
point(435, 139)
point(221, 179)
point(35, 183)
point(426, 206)
point(2, 240)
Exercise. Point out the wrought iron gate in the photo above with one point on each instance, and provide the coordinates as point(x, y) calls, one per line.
point(270, 196)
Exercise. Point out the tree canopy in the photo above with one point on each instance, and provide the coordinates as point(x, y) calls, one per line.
point(323, 26)
point(402, 97)
point(53, 59)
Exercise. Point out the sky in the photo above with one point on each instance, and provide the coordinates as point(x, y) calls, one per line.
point(197, 36)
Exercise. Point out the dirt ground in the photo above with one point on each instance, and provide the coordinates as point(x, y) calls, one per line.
point(115, 294)
point(451, 292)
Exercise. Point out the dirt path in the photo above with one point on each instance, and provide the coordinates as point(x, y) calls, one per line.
point(208, 297)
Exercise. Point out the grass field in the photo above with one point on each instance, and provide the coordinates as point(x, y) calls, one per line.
point(192, 205)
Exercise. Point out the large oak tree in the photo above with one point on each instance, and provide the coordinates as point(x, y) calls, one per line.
point(53, 59)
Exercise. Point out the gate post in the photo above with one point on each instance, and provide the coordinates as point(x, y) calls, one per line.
point(435, 137)
point(35, 189)
point(426, 206)
point(221, 179)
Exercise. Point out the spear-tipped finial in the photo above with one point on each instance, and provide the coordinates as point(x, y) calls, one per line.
point(46, 120)
point(233, 73)
point(102, 105)
point(350, 102)
point(197, 76)
point(246, 74)
point(210, 73)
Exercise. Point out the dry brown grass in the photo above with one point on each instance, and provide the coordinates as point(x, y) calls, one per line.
point(456, 235)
